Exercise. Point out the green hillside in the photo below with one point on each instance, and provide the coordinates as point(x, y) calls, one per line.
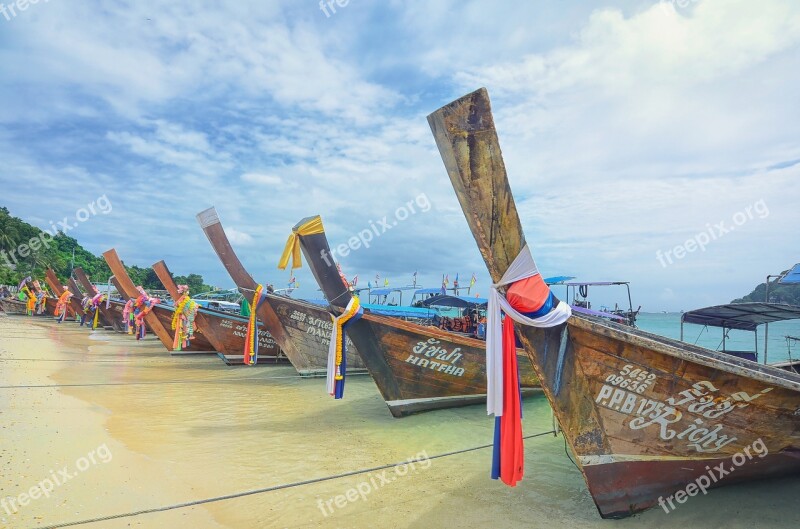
point(789, 294)
point(20, 257)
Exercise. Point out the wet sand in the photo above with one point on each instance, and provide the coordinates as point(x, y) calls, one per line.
point(181, 429)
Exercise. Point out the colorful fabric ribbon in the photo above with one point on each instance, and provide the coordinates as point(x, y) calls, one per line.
point(529, 293)
point(337, 350)
point(292, 249)
point(183, 322)
point(251, 341)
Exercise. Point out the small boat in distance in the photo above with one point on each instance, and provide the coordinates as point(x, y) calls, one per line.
point(646, 416)
point(745, 317)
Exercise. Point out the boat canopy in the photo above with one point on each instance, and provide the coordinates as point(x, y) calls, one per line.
point(388, 310)
point(558, 280)
point(743, 316)
point(437, 290)
point(461, 302)
point(792, 277)
point(596, 283)
point(386, 291)
point(599, 314)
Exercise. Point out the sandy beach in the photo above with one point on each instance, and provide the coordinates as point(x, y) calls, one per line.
point(137, 429)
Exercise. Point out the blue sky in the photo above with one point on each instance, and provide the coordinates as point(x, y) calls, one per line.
point(627, 127)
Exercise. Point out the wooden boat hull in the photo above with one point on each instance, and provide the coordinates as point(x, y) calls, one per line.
point(226, 332)
point(416, 367)
point(306, 349)
point(646, 416)
point(106, 319)
point(635, 447)
point(13, 307)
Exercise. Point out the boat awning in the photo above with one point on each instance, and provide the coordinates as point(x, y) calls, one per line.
point(444, 300)
point(388, 310)
point(429, 291)
point(792, 277)
point(400, 312)
point(597, 283)
point(598, 313)
point(743, 316)
point(557, 280)
point(381, 291)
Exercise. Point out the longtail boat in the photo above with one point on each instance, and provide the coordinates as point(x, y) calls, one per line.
point(159, 318)
point(648, 417)
point(225, 331)
point(116, 309)
point(302, 330)
point(56, 289)
point(416, 367)
point(107, 317)
point(75, 307)
point(13, 307)
point(84, 312)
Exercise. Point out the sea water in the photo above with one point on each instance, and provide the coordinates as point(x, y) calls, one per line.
point(778, 347)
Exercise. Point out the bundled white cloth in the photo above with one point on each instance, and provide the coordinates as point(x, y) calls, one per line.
point(522, 268)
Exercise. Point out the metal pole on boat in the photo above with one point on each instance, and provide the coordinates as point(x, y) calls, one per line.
point(766, 325)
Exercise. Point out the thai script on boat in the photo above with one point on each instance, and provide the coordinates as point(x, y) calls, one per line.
point(318, 327)
point(264, 337)
point(431, 355)
point(697, 400)
point(714, 474)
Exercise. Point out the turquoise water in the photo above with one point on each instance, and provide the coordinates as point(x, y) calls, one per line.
point(669, 325)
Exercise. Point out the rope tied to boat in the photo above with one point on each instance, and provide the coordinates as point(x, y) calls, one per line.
point(528, 301)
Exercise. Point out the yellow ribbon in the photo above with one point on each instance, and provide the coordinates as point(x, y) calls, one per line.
point(339, 322)
point(252, 334)
point(292, 249)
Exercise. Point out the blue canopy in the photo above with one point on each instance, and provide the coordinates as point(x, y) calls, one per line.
point(557, 280)
point(444, 300)
point(388, 310)
point(793, 277)
point(400, 312)
point(428, 291)
point(381, 291)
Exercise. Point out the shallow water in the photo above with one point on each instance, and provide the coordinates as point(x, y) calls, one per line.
point(190, 428)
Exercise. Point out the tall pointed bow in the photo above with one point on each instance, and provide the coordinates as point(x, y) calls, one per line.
point(467, 140)
point(644, 414)
point(282, 317)
point(212, 227)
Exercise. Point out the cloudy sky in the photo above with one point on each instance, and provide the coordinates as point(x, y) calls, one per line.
point(628, 128)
